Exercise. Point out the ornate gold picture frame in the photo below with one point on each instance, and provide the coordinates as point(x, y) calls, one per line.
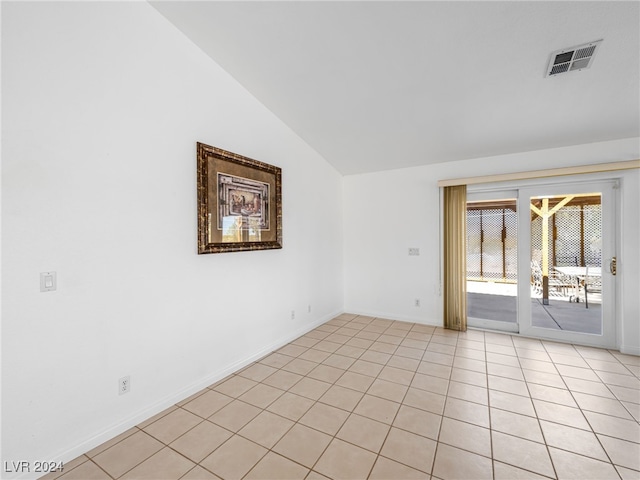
point(239, 202)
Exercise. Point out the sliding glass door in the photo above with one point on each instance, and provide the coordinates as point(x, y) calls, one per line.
point(568, 251)
point(541, 261)
point(492, 268)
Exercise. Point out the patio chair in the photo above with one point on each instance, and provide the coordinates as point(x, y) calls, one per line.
point(561, 282)
point(536, 277)
point(557, 281)
point(590, 284)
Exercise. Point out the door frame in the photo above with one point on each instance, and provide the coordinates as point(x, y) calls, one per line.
point(607, 339)
point(613, 178)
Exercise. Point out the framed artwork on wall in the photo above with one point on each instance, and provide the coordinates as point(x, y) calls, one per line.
point(239, 202)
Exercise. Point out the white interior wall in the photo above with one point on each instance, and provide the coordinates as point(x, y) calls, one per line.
point(103, 104)
point(386, 213)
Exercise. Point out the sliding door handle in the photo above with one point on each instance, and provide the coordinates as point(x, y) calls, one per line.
point(613, 265)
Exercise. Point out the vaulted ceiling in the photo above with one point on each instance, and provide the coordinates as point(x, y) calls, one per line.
point(377, 85)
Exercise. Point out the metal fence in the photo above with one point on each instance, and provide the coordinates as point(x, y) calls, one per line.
point(492, 236)
point(575, 236)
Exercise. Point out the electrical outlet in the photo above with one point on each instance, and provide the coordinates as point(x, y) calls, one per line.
point(417, 302)
point(414, 251)
point(124, 385)
point(293, 314)
point(309, 309)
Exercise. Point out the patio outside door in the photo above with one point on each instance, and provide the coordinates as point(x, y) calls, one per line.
point(567, 252)
point(492, 267)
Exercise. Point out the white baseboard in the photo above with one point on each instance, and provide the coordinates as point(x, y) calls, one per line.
point(630, 350)
point(393, 316)
point(170, 400)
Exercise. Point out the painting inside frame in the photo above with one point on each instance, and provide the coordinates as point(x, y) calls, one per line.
point(239, 202)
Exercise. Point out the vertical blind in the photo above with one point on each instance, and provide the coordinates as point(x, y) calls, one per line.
point(455, 257)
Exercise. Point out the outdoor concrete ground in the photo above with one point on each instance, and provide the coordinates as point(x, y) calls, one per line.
point(498, 301)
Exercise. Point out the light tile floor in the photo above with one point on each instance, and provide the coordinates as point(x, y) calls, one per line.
point(360, 397)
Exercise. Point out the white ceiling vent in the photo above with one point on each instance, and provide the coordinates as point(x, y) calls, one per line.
point(572, 59)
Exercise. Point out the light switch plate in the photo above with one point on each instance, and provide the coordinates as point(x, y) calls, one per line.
point(48, 281)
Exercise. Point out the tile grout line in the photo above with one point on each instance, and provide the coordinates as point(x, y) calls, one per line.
point(548, 348)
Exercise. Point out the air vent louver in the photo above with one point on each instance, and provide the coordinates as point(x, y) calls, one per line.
point(572, 59)
point(563, 67)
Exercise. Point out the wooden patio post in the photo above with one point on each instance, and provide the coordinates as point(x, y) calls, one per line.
point(544, 213)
